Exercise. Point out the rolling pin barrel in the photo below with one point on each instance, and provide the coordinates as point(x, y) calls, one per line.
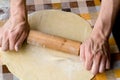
point(54, 42)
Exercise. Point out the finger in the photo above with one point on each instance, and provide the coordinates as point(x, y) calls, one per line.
point(107, 53)
point(20, 41)
point(82, 53)
point(102, 64)
point(89, 58)
point(108, 64)
point(5, 42)
point(12, 39)
point(96, 63)
point(108, 61)
point(14, 36)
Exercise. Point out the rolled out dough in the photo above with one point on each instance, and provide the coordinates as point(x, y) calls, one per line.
point(39, 63)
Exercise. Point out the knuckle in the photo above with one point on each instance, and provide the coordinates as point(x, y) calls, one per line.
point(12, 34)
point(88, 68)
point(87, 65)
point(99, 54)
point(90, 56)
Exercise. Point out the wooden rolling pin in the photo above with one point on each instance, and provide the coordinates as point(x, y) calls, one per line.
point(54, 42)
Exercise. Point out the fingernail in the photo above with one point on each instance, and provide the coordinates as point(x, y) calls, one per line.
point(101, 70)
point(18, 47)
point(94, 72)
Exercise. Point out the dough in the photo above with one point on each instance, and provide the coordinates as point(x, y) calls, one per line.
point(40, 63)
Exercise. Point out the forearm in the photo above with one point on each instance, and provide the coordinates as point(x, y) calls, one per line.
point(18, 9)
point(106, 18)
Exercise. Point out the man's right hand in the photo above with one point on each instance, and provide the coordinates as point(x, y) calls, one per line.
point(95, 54)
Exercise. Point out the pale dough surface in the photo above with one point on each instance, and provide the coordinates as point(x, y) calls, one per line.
point(39, 63)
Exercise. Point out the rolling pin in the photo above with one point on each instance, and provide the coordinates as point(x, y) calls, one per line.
point(54, 42)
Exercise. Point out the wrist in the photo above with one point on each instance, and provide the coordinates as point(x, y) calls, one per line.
point(17, 20)
point(18, 15)
point(98, 37)
point(18, 9)
point(101, 30)
point(18, 12)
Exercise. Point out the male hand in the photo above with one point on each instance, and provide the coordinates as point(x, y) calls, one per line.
point(95, 54)
point(13, 34)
